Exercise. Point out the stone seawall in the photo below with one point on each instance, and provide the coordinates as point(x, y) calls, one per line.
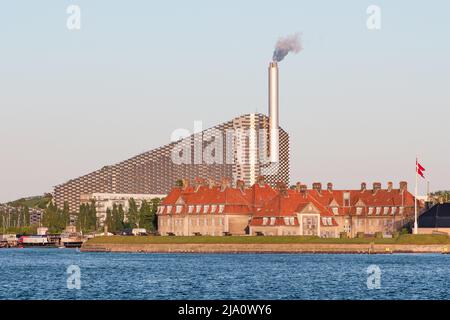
point(266, 248)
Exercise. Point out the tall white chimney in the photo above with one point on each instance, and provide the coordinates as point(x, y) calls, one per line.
point(273, 111)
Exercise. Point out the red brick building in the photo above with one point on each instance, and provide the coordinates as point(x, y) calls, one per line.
point(208, 208)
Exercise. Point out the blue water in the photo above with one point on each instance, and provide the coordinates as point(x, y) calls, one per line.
point(41, 274)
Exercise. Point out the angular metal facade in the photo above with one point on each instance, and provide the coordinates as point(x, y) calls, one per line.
point(154, 172)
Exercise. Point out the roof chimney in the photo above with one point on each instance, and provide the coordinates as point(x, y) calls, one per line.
point(198, 182)
point(260, 181)
point(281, 186)
point(376, 187)
point(330, 187)
point(363, 186)
point(211, 183)
point(317, 186)
point(403, 186)
point(298, 186)
point(240, 184)
point(225, 184)
point(390, 186)
point(185, 184)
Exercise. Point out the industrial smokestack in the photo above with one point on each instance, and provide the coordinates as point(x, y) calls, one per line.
point(282, 48)
point(273, 111)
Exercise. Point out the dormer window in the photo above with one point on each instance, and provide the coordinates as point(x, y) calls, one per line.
point(393, 210)
point(179, 208)
point(221, 208)
point(198, 209)
point(205, 208)
point(359, 210)
point(335, 210)
point(386, 210)
point(190, 209)
point(378, 211)
point(169, 209)
point(265, 219)
point(213, 208)
point(272, 221)
point(370, 211)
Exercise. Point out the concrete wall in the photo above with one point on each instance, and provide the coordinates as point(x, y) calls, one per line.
point(432, 230)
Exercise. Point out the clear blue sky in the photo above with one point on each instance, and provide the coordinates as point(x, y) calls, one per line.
point(358, 104)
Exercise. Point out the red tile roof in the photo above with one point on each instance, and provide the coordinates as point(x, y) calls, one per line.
point(264, 201)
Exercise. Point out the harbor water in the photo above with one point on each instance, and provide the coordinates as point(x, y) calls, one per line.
point(44, 273)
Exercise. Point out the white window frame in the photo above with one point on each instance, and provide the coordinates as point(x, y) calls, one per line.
point(198, 208)
point(169, 209)
point(221, 208)
point(265, 220)
point(213, 208)
point(272, 221)
point(191, 209)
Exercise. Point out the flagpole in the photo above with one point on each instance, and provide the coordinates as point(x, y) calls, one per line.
point(415, 201)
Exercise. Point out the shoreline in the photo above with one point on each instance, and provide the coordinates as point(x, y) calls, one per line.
point(265, 248)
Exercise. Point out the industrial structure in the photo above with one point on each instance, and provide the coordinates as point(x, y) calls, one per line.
point(240, 149)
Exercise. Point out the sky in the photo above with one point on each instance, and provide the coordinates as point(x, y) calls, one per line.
point(358, 103)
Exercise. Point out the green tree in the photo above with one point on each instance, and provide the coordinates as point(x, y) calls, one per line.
point(133, 214)
point(155, 203)
point(109, 222)
point(92, 223)
point(146, 216)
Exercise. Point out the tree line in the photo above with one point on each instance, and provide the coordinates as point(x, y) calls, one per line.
point(86, 220)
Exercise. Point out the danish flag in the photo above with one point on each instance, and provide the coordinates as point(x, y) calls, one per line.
point(420, 169)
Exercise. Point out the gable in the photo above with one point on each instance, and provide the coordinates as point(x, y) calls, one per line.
point(309, 208)
point(333, 203)
point(180, 201)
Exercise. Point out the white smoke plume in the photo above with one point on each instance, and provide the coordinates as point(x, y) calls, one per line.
point(285, 45)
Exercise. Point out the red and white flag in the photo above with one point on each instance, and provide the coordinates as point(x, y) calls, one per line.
point(420, 169)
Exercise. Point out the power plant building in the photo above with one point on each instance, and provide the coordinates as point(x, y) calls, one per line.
point(243, 148)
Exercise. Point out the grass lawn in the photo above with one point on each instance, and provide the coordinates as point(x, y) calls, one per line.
point(402, 239)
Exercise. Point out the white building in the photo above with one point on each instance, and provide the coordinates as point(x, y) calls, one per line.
point(105, 201)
